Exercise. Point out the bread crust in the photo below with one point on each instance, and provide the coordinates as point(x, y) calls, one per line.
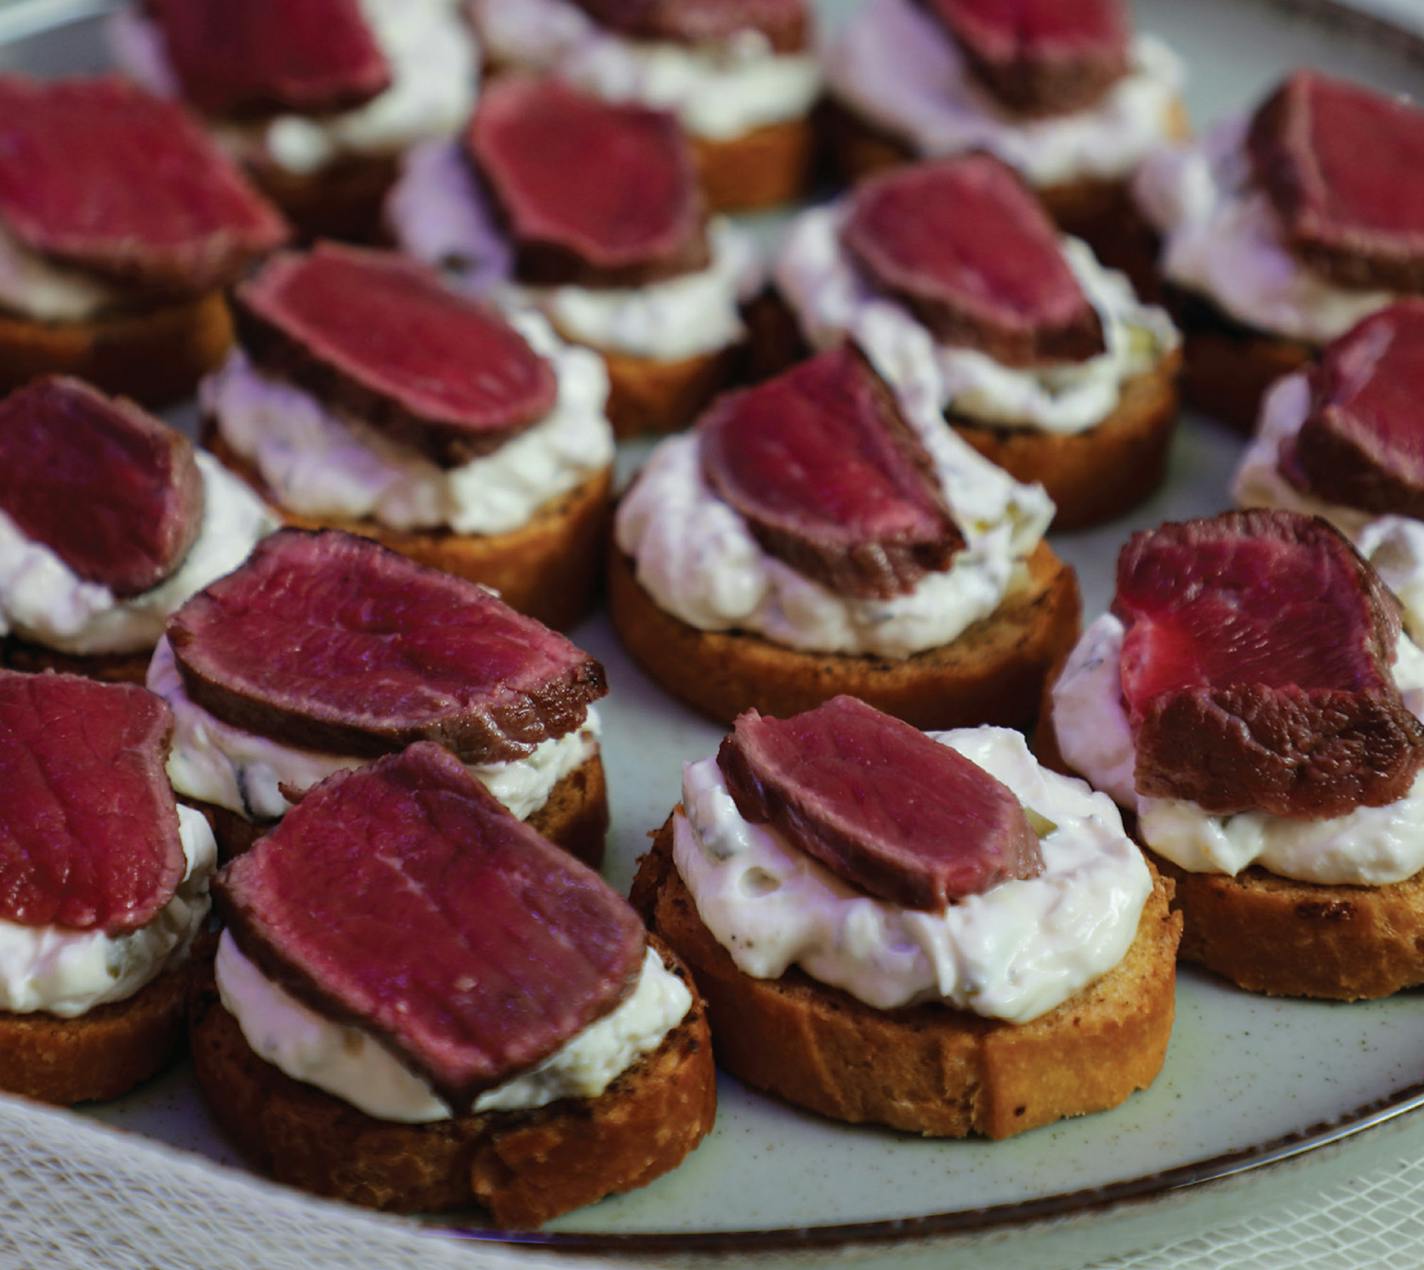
point(1100, 474)
point(35, 659)
point(523, 1167)
point(156, 357)
point(1229, 367)
point(647, 396)
point(575, 817)
point(344, 201)
point(1100, 211)
point(548, 568)
point(763, 168)
point(926, 1069)
point(993, 673)
point(1283, 938)
point(98, 1055)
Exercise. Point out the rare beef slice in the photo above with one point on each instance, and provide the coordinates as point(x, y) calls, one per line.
point(830, 478)
point(402, 899)
point(1256, 668)
point(1040, 57)
point(333, 643)
point(592, 192)
point(240, 57)
point(99, 174)
point(113, 492)
point(88, 825)
point(879, 803)
point(1363, 442)
point(784, 24)
point(968, 247)
point(1343, 166)
point(383, 339)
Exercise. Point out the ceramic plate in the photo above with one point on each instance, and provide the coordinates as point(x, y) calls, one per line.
point(1247, 1080)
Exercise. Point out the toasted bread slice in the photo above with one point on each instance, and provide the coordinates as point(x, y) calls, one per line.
point(548, 568)
point(760, 169)
point(1283, 938)
point(575, 817)
point(646, 396)
point(993, 673)
point(1100, 474)
point(926, 1069)
point(156, 357)
point(1100, 211)
point(523, 1167)
point(345, 201)
point(98, 1055)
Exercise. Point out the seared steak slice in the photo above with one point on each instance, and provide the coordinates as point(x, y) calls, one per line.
point(88, 825)
point(1257, 668)
point(1363, 442)
point(382, 338)
point(236, 57)
point(331, 642)
point(113, 492)
point(966, 245)
point(401, 898)
point(879, 803)
point(784, 23)
point(592, 193)
point(830, 477)
point(1040, 57)
point(99, 174)
point(1344, 167)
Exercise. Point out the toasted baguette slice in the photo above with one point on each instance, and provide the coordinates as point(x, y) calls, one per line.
point(98, 1055)
point(1283, 938)
point(646, 396)
point(156, 357)
point(523, 1167)
point(34, 659)
point(993, 673)
point(926, 1069)
point(1229, 367)
point(345, 201)
point(1098, 210)
point(764, 168)
point(1100, 474)
point(575, 817)
point(548, 568)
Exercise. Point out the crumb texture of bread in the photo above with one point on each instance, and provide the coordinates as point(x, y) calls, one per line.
point(156, 357)
point(548, 569)
point(1100, 474)
point(650, 397)
point(99, 1055)
point(764, 168)
point(574, 818)
point(1283, 938)
point(524, 1168)
point(926, 1069)
point(34, 659)
point(993, 673)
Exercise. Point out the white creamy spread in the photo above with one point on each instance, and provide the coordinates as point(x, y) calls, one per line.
point(70, 972)
point(45, 602)
point(439, 215)
point(832, 299)
point(1013, 952)
point(719, 90)
point(1393, 544)
point(434, 67)
point(1370, 846)
point(217, 763)
point(1221, 239)
point(35, 287)
point(895, 66)
point(322, 462)
point(353, 1066)
point(700, 562)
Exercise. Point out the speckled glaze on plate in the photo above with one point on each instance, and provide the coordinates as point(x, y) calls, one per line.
point(1248, 1081)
